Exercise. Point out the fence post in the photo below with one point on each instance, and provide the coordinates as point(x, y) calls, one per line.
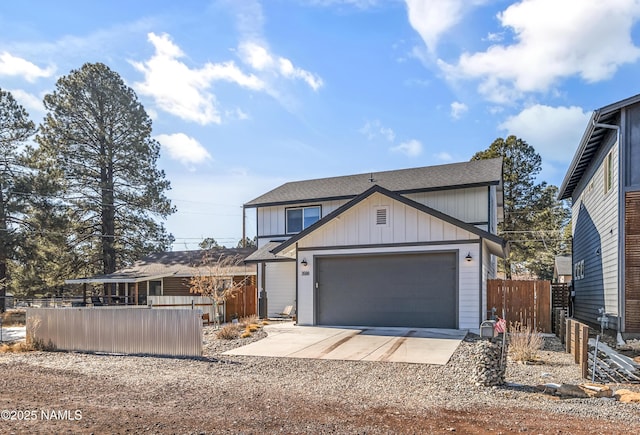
point(562, 326)
point(577, 345)
point(584, 350)
point(568, 333)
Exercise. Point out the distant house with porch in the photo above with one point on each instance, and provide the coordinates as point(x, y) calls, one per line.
point(167, 274)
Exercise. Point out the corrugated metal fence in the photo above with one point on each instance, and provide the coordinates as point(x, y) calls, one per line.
point(119, 330)
point(202, 303)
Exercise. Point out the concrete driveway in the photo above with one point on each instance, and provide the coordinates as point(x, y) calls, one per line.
point(411, 345)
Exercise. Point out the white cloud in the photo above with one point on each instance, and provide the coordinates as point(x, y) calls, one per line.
point(236, 114)
point(183, 148)
point(257, 55)
point(374, 129)
point(360, 4)
point(187, 97)
point(411, 148)
point(16, 66)
point(494, 37)
point(554, 132)
point(458, 109)
point(552, 40)
point(30, 102)
point(432, 19)
point(444, 156)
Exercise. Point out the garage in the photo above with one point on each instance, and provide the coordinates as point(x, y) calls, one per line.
point(415, 290)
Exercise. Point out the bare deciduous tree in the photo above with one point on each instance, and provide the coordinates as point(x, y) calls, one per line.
point(215, 276)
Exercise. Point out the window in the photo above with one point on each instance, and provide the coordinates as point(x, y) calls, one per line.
point(578, 270)
point(300, 218)
point(608, 172)
point(155, 288)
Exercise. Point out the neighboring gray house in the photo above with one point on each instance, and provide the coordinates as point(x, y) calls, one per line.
point(411, 247)
point(603, 183)
point(562, 269)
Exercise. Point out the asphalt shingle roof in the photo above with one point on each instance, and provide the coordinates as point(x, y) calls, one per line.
point(473, 173)
point(176, 263)
point(563, 265)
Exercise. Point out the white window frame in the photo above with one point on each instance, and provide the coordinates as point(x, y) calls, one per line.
point(608, 172)
point(302, 226)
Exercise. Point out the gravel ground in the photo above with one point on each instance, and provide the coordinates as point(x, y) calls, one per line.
point(236, 394)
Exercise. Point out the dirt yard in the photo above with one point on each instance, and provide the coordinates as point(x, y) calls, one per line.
point(79, 393)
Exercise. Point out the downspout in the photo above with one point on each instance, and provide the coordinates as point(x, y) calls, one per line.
point(621, 319)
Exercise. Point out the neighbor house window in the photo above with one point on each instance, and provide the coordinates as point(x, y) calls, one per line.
point(302, 217)
point(155, 288)
point(608, 172)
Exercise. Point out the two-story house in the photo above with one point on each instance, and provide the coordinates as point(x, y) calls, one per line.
point(411, 247)
point(603, 182)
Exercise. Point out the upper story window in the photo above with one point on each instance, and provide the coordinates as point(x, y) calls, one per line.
point(302, 217)
point(608, 172)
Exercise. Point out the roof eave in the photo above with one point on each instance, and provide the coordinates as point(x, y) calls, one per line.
point(564, 193)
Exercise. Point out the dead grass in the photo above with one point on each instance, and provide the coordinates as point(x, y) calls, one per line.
point(23, 346)
point(246, 334)
point(228, 332)
point(13, 318)
point(524, 342)
point(249, 320)
point(31, 343)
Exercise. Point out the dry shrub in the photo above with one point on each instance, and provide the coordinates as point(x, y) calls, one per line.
point(524, 342)
point(252, 328)
point(39, 344)
point(246, 334)
point(228, 332)
point(249, 320)
point(22, 346)
point(264, 322)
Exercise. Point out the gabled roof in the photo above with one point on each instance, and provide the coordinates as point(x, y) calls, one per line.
point(563, 265)
point(454, 175)
point(162, 264)
point(592, 139)
point(500, 244)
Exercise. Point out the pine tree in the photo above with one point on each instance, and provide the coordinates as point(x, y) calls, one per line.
point(533, 218)
point(97, 138)
point(15, 129)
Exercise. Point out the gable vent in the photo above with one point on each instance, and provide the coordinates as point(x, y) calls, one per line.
point(381, 216)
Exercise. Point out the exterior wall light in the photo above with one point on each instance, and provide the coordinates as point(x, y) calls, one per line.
point(304, 262)
point(468, 257)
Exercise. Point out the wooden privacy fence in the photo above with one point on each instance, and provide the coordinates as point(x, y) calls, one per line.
point(527, 302)
point(118, 330)
point(243, 303)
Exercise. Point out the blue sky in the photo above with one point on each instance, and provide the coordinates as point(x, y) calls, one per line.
point(246, 95)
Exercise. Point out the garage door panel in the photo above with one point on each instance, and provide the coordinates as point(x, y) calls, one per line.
point(417, 290)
